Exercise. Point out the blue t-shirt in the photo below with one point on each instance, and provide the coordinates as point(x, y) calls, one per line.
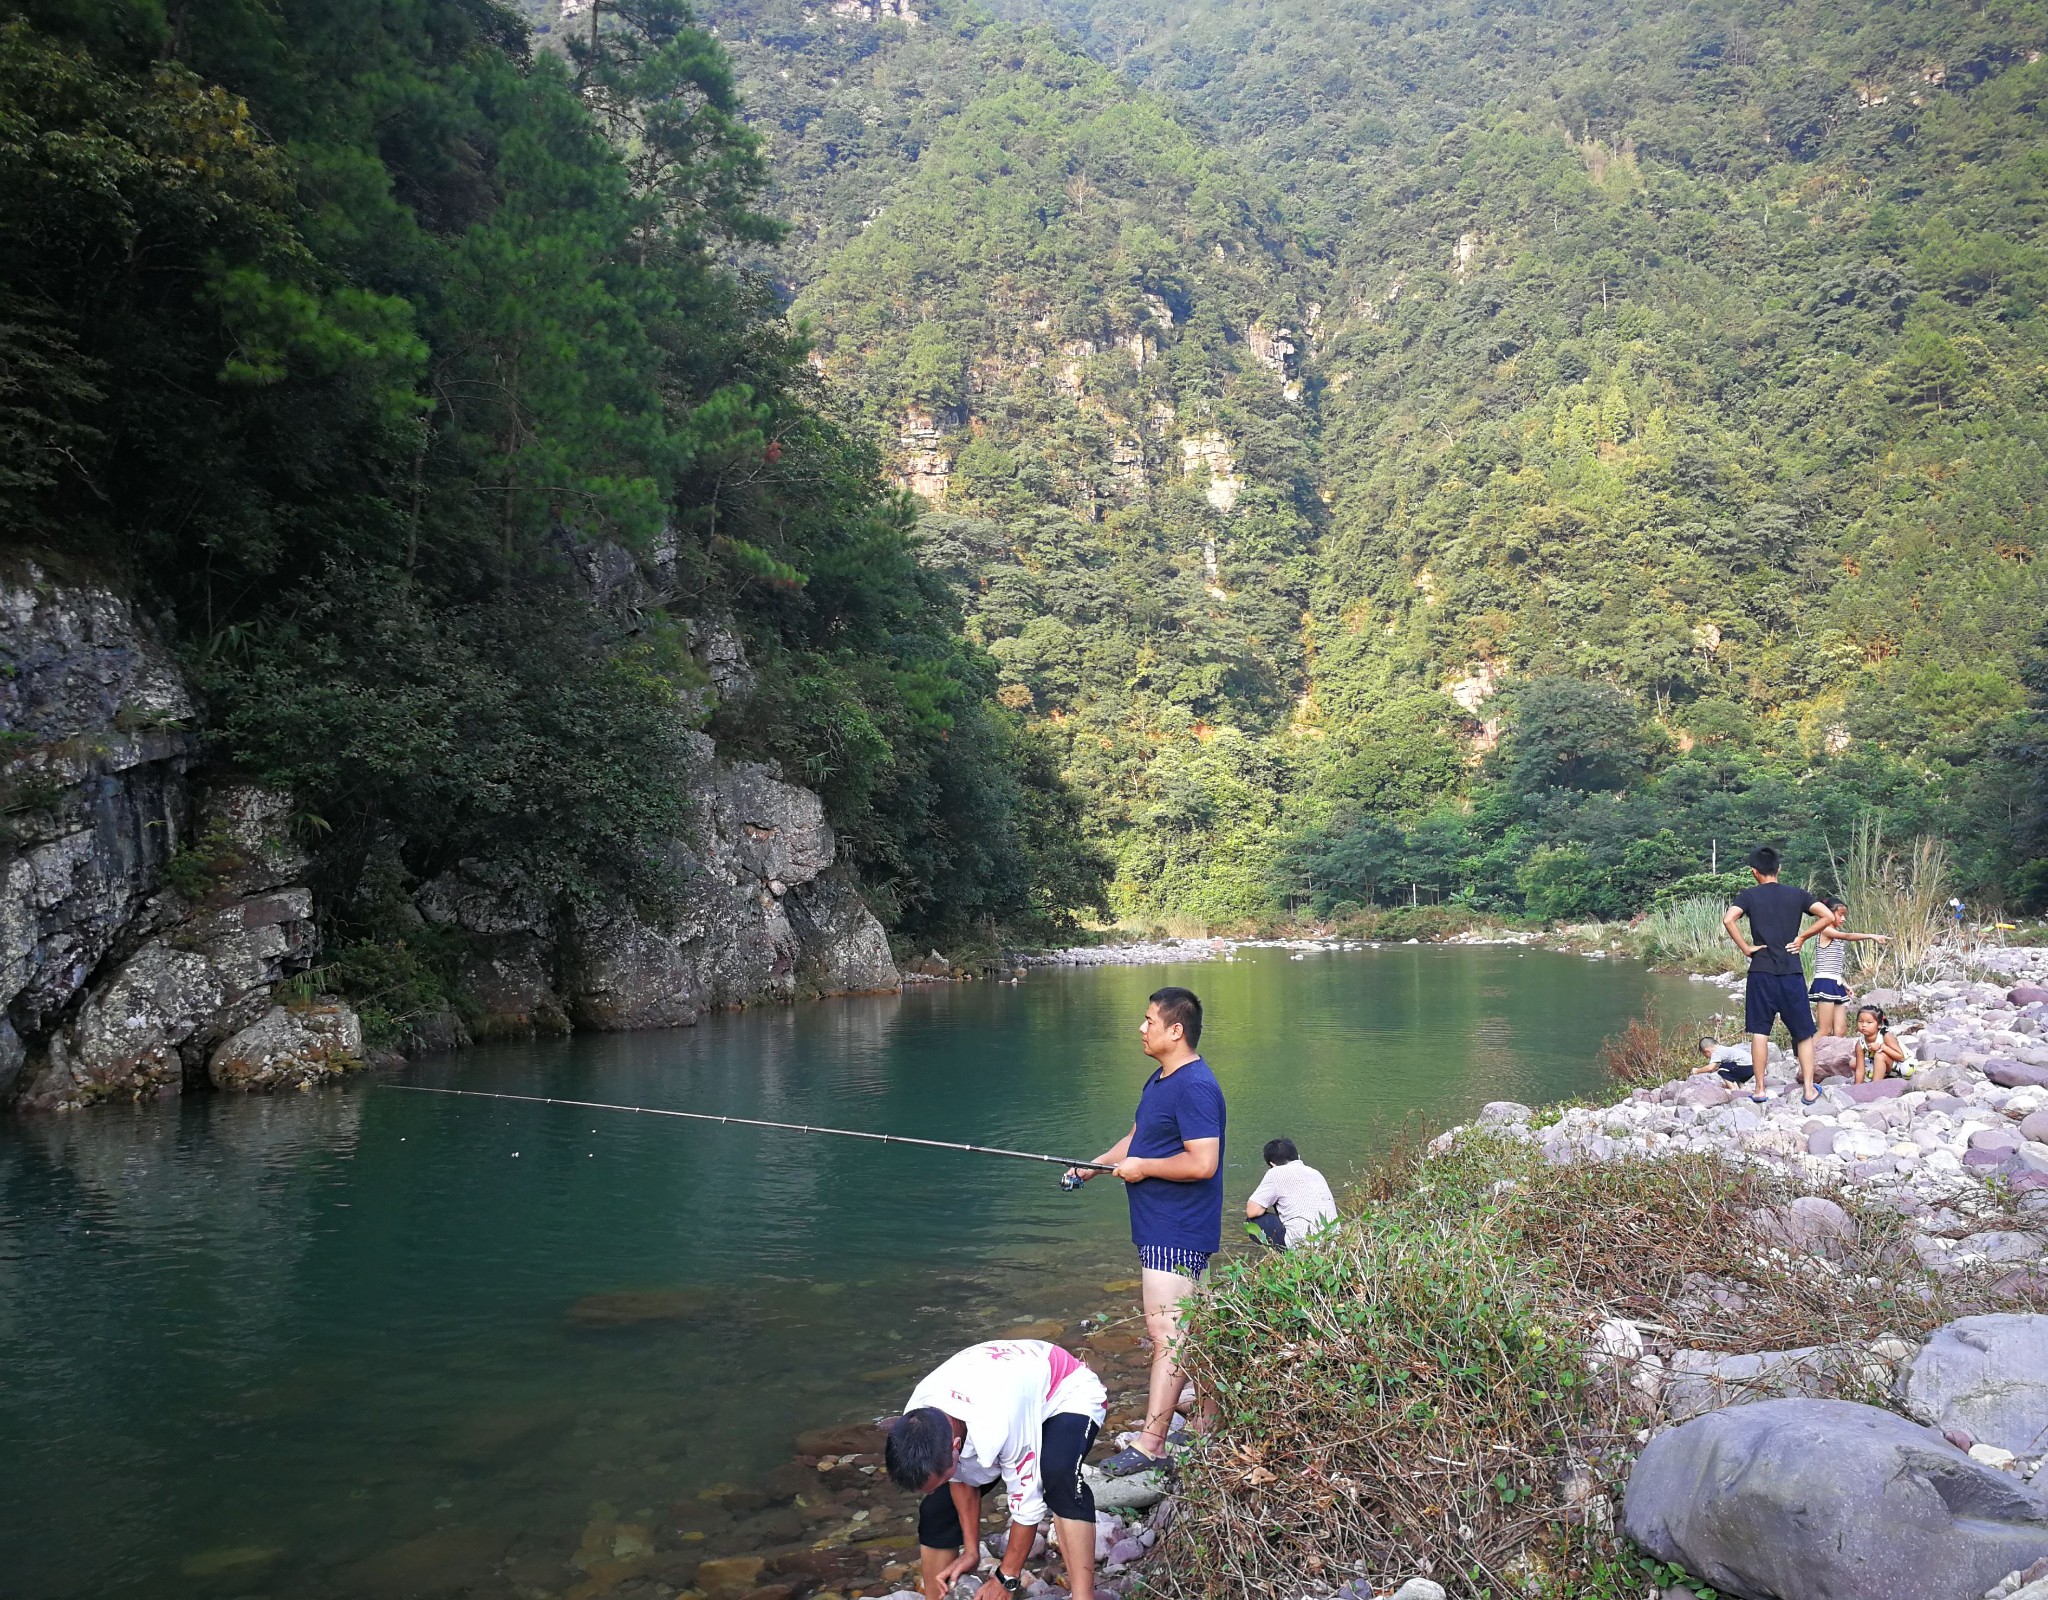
point(1172, 1109)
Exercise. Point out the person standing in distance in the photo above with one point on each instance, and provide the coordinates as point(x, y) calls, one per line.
point(1171, 1163)
point(1776, 986)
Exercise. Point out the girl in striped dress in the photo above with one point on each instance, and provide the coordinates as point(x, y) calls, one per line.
point(1829, 991)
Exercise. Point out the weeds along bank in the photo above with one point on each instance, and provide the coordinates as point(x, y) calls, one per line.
point(1512, 1324)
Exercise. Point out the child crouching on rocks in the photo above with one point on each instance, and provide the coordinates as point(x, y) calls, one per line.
point(1731, 1061)
point(1877, 1052)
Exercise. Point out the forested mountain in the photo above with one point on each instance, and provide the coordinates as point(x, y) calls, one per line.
point(1446, 450)
point(407, 374)
point(1500, 450)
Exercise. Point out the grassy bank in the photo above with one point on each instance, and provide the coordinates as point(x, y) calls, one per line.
point(1416, 1395)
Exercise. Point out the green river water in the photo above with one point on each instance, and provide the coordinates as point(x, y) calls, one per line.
point(246, 1344)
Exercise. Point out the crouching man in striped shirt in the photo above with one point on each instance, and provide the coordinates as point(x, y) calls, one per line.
point(1017, 1409)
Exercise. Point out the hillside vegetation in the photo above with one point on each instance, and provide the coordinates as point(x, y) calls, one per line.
point(1455, 451)
point(408, 375)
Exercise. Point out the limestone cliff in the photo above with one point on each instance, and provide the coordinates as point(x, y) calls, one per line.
point(147, 921)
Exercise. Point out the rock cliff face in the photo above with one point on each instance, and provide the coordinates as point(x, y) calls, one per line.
point(760, 916)
point(146, 924)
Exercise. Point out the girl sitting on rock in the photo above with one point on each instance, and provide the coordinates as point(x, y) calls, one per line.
point(1877, 1052)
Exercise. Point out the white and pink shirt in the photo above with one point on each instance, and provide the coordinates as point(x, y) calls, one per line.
point(1004, 1390)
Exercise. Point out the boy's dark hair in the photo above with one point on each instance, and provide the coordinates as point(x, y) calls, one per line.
point(1709, 1043)
point(1764, 859)
point(920, 1443)
point(1181, 1006)
point(1281, 1151)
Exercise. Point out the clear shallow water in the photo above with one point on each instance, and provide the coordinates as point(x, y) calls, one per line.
point(253, 1346)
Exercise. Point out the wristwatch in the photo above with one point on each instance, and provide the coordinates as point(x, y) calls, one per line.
point(1014, 1585)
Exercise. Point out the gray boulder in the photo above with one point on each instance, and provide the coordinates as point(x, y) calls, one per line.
point(1987, 1376)
point(1501, 1113)
point(1699, 1381)
point(2015, 1074)
point(1829, 1500)
point(1811, 1224)
point(290, 1049)
point(841, 948)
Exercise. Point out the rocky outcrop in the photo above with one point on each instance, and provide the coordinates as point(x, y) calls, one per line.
point(141, 922)
point(290, 1048)
point(95, 744)
point(734, 934)
point(198, 961)
point(145, 926)
point(841, 948)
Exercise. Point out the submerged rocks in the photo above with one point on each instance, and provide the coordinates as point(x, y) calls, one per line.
point(1829, 1500)
point(1986, 1376)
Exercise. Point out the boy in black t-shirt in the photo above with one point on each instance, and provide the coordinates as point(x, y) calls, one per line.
point(1777, 983)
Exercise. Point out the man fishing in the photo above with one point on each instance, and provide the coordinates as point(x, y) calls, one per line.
point(1171, 1163)
point(1019, 1409)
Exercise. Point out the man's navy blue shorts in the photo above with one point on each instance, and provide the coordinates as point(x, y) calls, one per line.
point(1770, 995)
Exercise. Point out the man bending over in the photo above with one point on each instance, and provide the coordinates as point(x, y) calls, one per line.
point(1019, 1409)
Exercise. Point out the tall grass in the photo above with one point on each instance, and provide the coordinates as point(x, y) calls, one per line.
point(1902, 895)
point(1689, 932)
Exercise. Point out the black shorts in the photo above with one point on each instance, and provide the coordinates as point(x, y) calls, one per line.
point(1767, 996)
point(1062, 1447)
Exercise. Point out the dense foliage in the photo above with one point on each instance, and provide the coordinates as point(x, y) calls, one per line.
point(1453, 450)
point(406, 371)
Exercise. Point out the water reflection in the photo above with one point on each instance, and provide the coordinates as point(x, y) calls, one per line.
point(324, 1345)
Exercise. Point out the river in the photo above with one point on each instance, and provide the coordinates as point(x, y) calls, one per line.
point(248, 1344)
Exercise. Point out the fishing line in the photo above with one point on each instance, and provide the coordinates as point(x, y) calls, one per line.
point(757, 1122)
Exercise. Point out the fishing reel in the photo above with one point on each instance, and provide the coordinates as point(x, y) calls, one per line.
point(1070, 1181)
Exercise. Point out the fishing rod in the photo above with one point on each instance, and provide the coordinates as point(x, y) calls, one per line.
point(757, 1122)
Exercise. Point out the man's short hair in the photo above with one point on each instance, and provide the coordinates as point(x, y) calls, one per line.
point(1281, 1151)
point(1764, 859)
point(1181, 1006)
point(920, 1444)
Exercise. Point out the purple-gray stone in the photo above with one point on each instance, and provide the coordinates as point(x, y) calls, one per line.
point(1828, 1500)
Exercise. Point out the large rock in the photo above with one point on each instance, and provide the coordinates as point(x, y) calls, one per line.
point(2015, 1074)
point(291, 1048)
point(841, 948)
point(1829, 1500)
point(1811, 1224)
point(1834, 1058)
point(1987, 1376)
point(729, 940)
point(149, 1028)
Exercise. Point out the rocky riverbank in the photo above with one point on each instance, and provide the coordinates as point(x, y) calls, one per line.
point(157, 921)
point(1910, 1465)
